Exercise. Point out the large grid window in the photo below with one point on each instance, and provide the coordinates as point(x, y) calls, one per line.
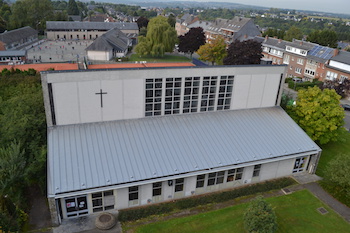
point(299, 164)
point(200, 181)
point(172, 96)
point(102, 201)
point(157, 189)
point(133, 193)
point(225, 92)
point(153, 97)
point(179, 185)
point(216, 178)
point(234, 174)
point(208, 93)
point(190, 103)
point(256, 171)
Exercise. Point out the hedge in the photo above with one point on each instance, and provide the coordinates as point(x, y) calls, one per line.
point(217, 197)
point(303, 85)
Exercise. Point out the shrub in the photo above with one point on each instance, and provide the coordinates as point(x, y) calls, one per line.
point(185, 203)
point(260, 217)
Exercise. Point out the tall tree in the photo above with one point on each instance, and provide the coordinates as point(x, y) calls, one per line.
point(32, 13)
point(319, 114)
point(260, 217)
point(325, 37)
point(171, 20)
point(243, 53)
point(192, 40)
point(142, 22)
point(160, 38)
point(293, 33)
point(213, 52)
point(72, 8)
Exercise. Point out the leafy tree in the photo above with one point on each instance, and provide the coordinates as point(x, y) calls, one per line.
point(293, 33)
point(260, 217)
point(338, 171)
point(172, 20)
point(192, 40)
point(243, 53)
point(272, 32)
point(32, 13)
point(72, 8)
point(160, 38)
point(325, 37)
point(142, 22)
point(319, 114)
point(213, 52)
point(12, 177)
point(342, 88)
point(143, 32)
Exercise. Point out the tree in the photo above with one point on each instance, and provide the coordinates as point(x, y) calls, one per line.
point(325, 37)
point(72, 8)
point(213, 52)
point(293, 33)
point(342, 88)
point(142, 22)
point(192, 40)
point(171, 20)
point(32, 13)
point(160, 38)
point(319, 114)
point(338, 171)
point(260, 217)
point(243, 53)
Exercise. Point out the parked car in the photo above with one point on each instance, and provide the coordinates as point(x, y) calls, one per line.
point(346, 107)
point(297, 80)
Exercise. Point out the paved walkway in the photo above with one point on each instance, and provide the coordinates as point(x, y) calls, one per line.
point(338, 207)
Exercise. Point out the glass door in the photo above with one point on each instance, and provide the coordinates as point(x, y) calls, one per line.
point(76, 206)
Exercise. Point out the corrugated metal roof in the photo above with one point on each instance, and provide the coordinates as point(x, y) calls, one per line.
point(94, 155)
point(70, 25)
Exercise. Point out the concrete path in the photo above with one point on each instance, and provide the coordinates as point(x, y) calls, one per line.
point(338, 207)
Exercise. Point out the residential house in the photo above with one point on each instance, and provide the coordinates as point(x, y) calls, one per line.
point(238, 28)
point(317, 58)
point(121, 138)
point(338, 67)
point(181, 25)
point(272, 49)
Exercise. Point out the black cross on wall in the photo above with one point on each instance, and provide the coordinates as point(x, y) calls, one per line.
point(101, 95)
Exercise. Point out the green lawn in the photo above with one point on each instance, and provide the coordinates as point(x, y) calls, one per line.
point(166, 58)
point(330, 151)
point(296, 212)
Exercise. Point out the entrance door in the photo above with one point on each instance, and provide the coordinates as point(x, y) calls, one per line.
point(76, 206)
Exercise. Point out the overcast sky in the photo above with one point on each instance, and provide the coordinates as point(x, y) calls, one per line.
point(334, 6)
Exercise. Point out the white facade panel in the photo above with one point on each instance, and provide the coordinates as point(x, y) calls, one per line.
point(113, 101)
point(269, 171)
point(285, 167)
point(271, 90)
point(64, 93)
point(339, 65)
point(256, 91)
point(133, 98)
point(122, 198)
point(90, 101)
point(240, 94)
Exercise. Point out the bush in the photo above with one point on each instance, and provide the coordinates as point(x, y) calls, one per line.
point(218, 197)
point(260, 217)
point(287, 80)
point(304, 85)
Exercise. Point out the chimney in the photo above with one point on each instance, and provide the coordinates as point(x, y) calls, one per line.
point(279, 40)
point(335, 52)
point(301, 43)
point(266, 38)
point(245, 36)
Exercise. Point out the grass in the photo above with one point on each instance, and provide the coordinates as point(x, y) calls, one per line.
point(330, 151)
point(296, 212)
point(166, 58)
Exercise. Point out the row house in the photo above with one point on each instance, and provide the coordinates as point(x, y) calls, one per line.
point(238, 28)
point(338, 67)
point(182, 24)
point(304, 59)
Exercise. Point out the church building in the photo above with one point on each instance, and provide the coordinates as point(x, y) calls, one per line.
point(120, 138)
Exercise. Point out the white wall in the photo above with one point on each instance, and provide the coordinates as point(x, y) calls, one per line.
point(75, 99)
point(339, 65)
point(99, 55)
